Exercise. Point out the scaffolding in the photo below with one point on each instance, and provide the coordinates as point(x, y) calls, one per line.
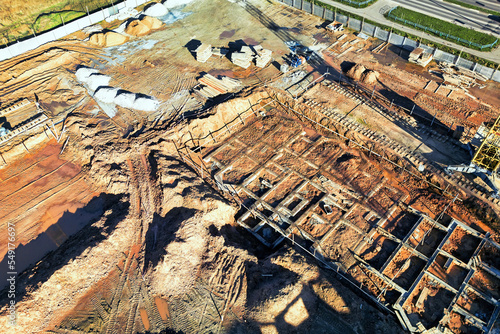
point(488, 154)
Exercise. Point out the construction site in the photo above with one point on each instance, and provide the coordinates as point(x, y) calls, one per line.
point(219, 166)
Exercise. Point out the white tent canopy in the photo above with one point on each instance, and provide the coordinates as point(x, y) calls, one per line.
point(106, 94)
point(97, 80)
point(146, 104)
point(125, 100)
point(83, 73)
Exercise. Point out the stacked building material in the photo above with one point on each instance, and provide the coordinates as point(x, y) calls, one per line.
point(203, 52)
point(211, 87)
point(263, 56)
point(420, 57)
point(242, 58)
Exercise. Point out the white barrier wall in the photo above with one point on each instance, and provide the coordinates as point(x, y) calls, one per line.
point(69, 28)
point(392, 38)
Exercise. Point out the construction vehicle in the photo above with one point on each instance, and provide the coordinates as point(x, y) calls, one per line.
point(299, 55)
point(335, 27)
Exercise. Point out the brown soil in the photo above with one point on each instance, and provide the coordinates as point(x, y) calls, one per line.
point(486, 283)
point(159, 249)
point(461, 244)
point(338, 244)
point(454, 275)
point(379, 251)
point(362, 218)
point(400, 223)
point(476, 305)
point(37, 191)
point(405, 268)
point(431, 309)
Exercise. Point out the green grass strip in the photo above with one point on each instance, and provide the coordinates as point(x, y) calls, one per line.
point(357, 3)
point(52, 20)
point(479, 8)
point(446, 30)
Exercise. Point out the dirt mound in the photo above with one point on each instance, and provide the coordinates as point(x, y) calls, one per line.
point(152, 22)
point(370, 77)
point(137, 28)
point(356, 71)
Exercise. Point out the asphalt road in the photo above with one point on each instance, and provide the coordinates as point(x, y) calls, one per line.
point(487, 4)
point(467, 17)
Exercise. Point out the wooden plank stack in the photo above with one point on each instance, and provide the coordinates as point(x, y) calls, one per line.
point(211, 87)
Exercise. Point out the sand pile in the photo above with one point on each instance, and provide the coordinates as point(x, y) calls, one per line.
point(114, 38)
point(151, 22)
point(137, 28)
point(109, 38)
point(356, 71)
point(156, 9)
point(370, 76)
point(97, 39)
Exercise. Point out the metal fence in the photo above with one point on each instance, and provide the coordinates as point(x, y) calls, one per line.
point(395, 39)
point(64, 30)
point(440, 33)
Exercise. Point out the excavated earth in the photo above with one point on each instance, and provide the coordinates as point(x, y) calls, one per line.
point(115, 233)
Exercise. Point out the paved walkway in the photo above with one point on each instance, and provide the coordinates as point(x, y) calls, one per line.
point(374, 13)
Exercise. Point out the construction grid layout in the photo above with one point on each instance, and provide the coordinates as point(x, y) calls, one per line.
point(335, 202)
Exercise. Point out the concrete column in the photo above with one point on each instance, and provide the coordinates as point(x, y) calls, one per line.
point(493, 74)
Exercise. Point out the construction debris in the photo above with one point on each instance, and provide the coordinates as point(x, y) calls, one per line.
point(335, 26)
point(3, 131)
point(420, 57)
point(356, 71)
point(203, 52)
point(369, 77)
